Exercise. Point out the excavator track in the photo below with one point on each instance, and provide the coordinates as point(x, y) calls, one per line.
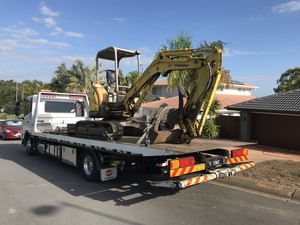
point(108, 130)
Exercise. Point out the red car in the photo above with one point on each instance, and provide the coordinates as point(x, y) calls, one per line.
point(11, 129)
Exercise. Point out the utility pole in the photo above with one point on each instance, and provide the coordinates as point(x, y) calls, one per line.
point(16, 91)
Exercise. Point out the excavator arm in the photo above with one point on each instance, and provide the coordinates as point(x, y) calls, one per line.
point(205, 64)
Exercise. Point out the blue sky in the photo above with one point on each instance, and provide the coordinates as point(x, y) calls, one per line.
point(262, 36)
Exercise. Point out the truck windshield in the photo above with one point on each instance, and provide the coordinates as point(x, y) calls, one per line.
point(14, 123)
point(59, 107)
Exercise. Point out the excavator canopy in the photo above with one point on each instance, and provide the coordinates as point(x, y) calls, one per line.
point(113, 53)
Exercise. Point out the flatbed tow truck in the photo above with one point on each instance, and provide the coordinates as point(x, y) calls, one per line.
point(66, 126)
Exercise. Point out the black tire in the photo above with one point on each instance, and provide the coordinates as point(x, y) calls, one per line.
point(89, 168)
point(29, 146)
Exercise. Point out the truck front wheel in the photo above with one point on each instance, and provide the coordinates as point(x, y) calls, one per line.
point(29, 146)
point(89, 166)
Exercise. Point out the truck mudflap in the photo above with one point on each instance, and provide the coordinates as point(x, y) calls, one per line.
point(193, 179)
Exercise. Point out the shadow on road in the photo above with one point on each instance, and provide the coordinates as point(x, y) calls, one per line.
point(129, 188)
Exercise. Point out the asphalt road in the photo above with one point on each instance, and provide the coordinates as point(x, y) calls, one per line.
point(40, 190)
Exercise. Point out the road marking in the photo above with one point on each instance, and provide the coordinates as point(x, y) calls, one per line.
point(11, 210)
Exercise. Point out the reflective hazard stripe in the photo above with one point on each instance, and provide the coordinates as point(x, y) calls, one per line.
point(196, 180)
point(237, 159)
point(200, 178)
point(244, 167)
point(187, 170)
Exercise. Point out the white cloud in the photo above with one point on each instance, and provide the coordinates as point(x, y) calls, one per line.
point(68, 59)
point(50, 43)
point(119, 20)
point(73, 34)
point(19, 32)
point(46, 11)
point(48, 22)
point(7, 44)
point(236, 52)
point(51, 23)
point(59, 31)
point(22, 39)
point(291, 6)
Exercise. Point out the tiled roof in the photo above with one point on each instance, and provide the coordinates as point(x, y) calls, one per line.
point(161, 83)
point(172, 102)
point(284, 102)
point(224, 100)
point(234, 83)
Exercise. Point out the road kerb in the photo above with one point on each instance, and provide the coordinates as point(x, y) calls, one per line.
point(296, 195)
point(272, 189)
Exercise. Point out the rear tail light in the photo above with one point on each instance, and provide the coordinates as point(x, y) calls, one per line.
point(174, 164)
point(239, 152)
point(181, 163)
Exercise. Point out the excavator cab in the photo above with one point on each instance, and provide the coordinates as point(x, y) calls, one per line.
point(107, 99)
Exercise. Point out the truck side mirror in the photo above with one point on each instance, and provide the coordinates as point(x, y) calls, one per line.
point(17, 109)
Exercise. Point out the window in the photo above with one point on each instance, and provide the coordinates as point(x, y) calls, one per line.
point(156, 90)
point(14, 123)
point(28, 106)
point(59, 107)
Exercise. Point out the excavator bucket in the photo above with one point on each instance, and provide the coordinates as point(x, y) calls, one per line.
point(164, 136)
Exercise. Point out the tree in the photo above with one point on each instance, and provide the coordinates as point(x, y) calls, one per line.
point(211, 129)
point(133, 76)
point(184, 78)
point(219, 43)
point(181, 41)
point(81, 77)
point(226, 78)
point(289, 80)
point(8, 92)
point(179, 78)
point(31, 87)
point(61, 80)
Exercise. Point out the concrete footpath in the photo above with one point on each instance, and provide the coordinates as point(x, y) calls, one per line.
point(258, 153)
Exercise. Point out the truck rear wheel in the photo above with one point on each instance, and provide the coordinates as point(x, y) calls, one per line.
point(89, 166)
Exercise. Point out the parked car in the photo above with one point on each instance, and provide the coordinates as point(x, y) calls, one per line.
point(11, 129)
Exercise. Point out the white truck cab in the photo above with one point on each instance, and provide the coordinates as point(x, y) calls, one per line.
point(51, 111)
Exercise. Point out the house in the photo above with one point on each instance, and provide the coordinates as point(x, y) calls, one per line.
point(226, 94)
point(272, 120)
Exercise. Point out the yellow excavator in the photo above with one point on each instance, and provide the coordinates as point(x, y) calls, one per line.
point(114, 102)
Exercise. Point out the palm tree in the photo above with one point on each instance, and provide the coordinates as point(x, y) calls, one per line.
point(61, 79)
point(206, 44)
point(179, 78)
point(81, 77)
point(226, 78)
point(181, 41)
point(211, 129)
point(133, 76)
point(184, 78)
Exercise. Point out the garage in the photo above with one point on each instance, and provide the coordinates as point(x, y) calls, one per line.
point(272, 120)
point(276, 130)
